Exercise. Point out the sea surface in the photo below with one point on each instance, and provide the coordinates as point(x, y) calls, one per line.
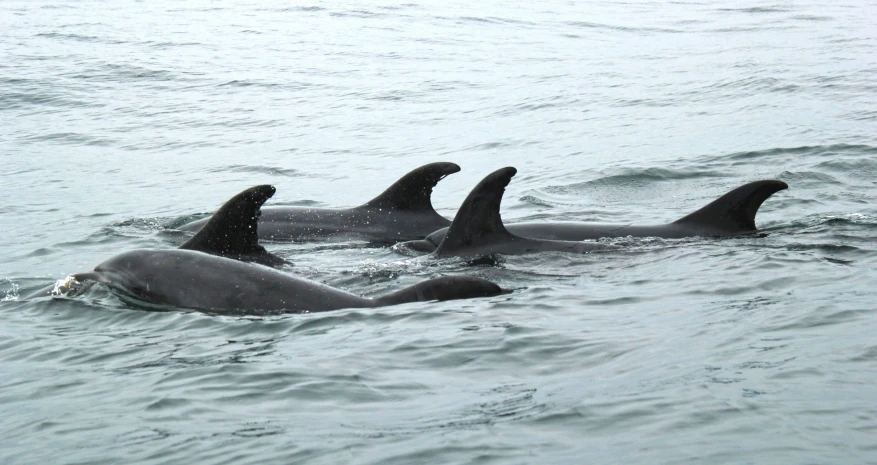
point(121, 120)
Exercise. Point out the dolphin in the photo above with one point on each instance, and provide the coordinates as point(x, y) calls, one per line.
point(190, 278)
point(404, 211)
point(477, 228)
point(732, 214)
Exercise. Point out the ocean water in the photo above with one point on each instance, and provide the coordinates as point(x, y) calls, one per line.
point(121, 120)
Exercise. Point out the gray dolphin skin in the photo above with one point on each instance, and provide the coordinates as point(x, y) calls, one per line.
point(404, 211)
point(732, 214)
point(207, 273)
point(190, 279)
point(477, 228)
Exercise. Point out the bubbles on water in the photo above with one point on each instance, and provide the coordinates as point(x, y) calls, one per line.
point(12, 293)
point(631, 241)
point(66, 286)
point(405, 248)
point(388, 270)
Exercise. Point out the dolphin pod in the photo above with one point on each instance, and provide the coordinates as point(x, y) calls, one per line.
point(201, 275)
point(223, 266)
point(404, 211)
point(478, 229)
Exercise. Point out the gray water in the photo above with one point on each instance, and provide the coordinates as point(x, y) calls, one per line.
point(121, 120)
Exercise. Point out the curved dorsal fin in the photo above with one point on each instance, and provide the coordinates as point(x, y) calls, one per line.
point(414, 190)
point(233, 229)
point(478, 221)
point(735, 211)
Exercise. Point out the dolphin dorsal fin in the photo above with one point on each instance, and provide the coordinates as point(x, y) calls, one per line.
point(478, 221)
point(413, 191)
point(735, 211)
point(233, 229)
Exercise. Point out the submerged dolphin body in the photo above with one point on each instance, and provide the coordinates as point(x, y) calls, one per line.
point(730, 215)
point(404, 211)
point(190, 278)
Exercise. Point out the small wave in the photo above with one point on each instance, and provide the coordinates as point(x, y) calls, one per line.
point(752, 84)
point(613, 27)
point(633, 178)
point(356, 14)
point(392, 95)
point(812, 18)
point(141, 224)
point(805, 178)
point(757, 9)
point(863, 115)
point(856, 168)
point(65, 138)
point(79, 38)
point(401, 6)
point(645, 102)
point(815, 150)
point(868, 355)
point(17, 100)
point(186, 219)
point(196, 9)
point(487, 20)
point(831, 248)
point(165, 45)
point(477, 20)
point(772, 27)
point(79, 25)
point(502, 404)
point(499, 20)
point(491, 145)
point(832, 224)
point(257, 169)
point(41, 252)
point(537, 105)
point(310, 8)
point(237, 83)
point(107, 235)
point(821, 319)
point(536, 200)
point(112, 72)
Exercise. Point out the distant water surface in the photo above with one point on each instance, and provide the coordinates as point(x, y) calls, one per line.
point(121, 120)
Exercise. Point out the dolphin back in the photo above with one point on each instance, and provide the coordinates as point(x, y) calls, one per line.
point(444, 288)
point(734, 212)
